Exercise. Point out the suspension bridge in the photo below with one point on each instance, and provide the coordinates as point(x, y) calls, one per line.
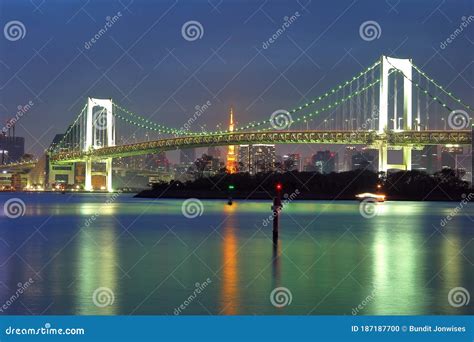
point(392, 104)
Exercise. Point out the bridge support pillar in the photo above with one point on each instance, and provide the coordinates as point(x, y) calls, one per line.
point(407, 157)
point(383, 159)
point(88, 176)
point(108, 170)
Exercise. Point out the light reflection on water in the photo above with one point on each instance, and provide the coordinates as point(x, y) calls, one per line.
point(230, 264)
point(151, 257)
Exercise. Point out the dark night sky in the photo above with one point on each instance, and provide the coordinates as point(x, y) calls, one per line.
point(145, 65)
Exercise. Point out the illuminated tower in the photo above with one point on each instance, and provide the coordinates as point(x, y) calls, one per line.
point(231, 165)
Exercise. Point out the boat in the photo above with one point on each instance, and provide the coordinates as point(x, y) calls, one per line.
point(371, 196)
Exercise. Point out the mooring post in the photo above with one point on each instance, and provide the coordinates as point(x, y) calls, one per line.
point(276, 214)
point(276, 207)
point(230, 188)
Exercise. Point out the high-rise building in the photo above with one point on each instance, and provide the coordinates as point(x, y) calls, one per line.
point(308, 165)
point(364, 160)
point(231, 164)
point(464, 166)
point(448, 156)
point(214, 152)
point(37, 175)
point(17, 182)
point(161, 161)
point(244, 158)
point(11, 149)
point(279, 163)
point(292, 162)
point(325, 161)
point(426, 159)
point(207, 166)
point(257, 158)
point(134, 162)
point(349, 151)
point(60, 173)
point(187, 156)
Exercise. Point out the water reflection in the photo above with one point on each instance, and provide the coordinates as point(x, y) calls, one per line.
point(399, 266)
point(230, 276)
point(402, 252)
point(97, 269)
point(450, 272)
point(276, 271)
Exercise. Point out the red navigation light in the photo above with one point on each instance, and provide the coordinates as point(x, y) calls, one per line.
point(279, 186)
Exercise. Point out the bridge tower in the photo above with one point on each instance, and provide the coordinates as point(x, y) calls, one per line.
point(386, 66)
point(95, 137)
point(231, 164)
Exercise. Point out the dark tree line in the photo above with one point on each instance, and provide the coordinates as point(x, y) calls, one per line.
point(398, 185)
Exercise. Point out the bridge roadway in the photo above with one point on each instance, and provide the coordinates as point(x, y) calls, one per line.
point(371, 138)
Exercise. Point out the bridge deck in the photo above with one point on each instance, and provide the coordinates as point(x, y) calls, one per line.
point(407, 138)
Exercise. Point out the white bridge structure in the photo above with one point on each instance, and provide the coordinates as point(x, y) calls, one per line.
point(363, 110)
point(100, 133)
point(405, 67)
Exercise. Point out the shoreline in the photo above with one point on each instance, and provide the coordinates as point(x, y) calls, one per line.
point(211, 195)
point(265, 196)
